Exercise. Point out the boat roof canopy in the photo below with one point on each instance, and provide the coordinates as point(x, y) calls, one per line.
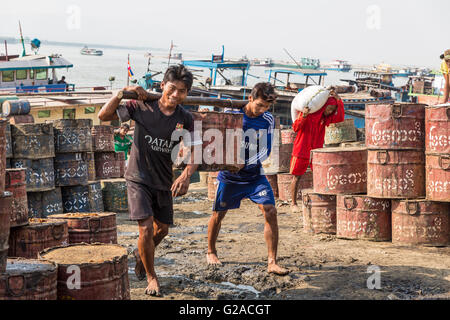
point(35, 62)
point(298, 71)
point(217, 65)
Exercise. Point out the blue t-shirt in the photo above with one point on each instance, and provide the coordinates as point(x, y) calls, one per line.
point(257, 144)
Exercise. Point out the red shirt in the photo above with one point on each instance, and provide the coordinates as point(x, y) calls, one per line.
point(311, 130)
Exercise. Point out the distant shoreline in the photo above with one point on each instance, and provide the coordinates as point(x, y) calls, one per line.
point(76, 44)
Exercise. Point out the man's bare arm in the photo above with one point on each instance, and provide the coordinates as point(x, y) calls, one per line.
point(108, 111)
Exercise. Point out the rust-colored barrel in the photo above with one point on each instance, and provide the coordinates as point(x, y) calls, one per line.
point(279, 160)
point(437, 129)
point(9, 152)
point(438, 177)
point(229, 156)
point(90, 159)
point(340, 170)
point(21, 119)
point(395, 126)
point(95, 197)
point(40, 234)
point(120, 161)
point(273, 180)
point(288, 136)
point(420, 222)
point(33, 141)
point(396, 174)
point(212, 185)
point(2, 154)
point(103, 138)
point(71, 169)
point(103, 270)
point(115, 196)
point(43, 204)
point(40, 173)
point(319, 212)
point(337, 133)
point(72, 135)
point(106, 166)
point(284, 185)
point(363, 217)
point(75, 199)
point(5, 212)
point(90, 227)
point(28, 279)
point(15, 183)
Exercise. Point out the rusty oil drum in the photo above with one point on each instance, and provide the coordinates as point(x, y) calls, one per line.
point(438, 177)
point(106, 166)
point(72, 135)
point(396, 174)
point(212, 185)
point(115, 196)
point(43, 204)
point(33, 141)
point(340, 132)
point(284, 185)
point(90, 159)
point(103, 270)
point(9, 152)
point(40, 234)
point(420, 222)
point(15, 183)
point(319, 212)
point(437, 129)
point(229, 156)
point(5, 212)
point(273, 180)
point(288, 136)
point(363, 217)
point(28, 279)
point(340, 170)
point(75, 199)
point(279, 160)
point(103, 138)
point(95, 197)
point(40, 173)
point(90, 227)
point(2, 154)
point(395, 126)
point(71, 169)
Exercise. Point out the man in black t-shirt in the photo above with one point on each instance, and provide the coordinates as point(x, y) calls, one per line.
point(149, 172)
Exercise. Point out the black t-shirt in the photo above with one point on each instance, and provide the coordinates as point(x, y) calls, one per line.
point(150, 161)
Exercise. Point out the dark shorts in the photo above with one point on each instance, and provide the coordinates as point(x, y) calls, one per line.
point(144, 202)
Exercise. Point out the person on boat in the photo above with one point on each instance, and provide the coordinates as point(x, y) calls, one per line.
point(122, 141)
point(445, 66)
point(63, 80)
point(310, 128)
point(149, 172)
point(250, 182)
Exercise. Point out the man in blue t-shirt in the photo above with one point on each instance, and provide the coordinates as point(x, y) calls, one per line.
point(250, 182)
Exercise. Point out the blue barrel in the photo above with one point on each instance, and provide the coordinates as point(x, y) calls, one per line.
point(71, 169)
point(16, 107)
point(40, 173)
point(96, 197)
point(43, 204)
point(75, 199)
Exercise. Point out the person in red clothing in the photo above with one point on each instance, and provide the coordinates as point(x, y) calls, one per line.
point(310, 130)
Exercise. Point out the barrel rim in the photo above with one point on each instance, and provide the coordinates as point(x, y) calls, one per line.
point(53, 265)
point(340, 149)
point(63, 216)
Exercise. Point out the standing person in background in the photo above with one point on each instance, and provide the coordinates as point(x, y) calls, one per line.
point(310, 130)
point(445, 66)
point(122, 141)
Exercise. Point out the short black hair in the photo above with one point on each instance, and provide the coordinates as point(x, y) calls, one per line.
point(179, 73)
point(265, 91)
point(125, 125)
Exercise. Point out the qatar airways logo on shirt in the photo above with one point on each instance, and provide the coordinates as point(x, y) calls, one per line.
point(159, 145)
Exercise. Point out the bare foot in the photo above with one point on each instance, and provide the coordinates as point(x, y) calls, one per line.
point(295, 209)
point(139, 269)
point(212, 259)
point(276, 269)
point(153, 288)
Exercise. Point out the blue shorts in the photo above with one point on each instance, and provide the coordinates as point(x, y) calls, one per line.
point(230, 195)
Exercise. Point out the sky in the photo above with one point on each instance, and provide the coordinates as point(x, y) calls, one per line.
point(364, 32)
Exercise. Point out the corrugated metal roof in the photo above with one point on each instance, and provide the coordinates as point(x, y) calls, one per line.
point(39, 62)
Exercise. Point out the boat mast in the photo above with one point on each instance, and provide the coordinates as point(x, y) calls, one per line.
point(21, 39)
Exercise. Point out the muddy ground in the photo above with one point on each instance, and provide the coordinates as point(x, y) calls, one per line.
point(322, 266)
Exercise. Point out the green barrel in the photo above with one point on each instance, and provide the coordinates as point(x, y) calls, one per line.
point(115, 197)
